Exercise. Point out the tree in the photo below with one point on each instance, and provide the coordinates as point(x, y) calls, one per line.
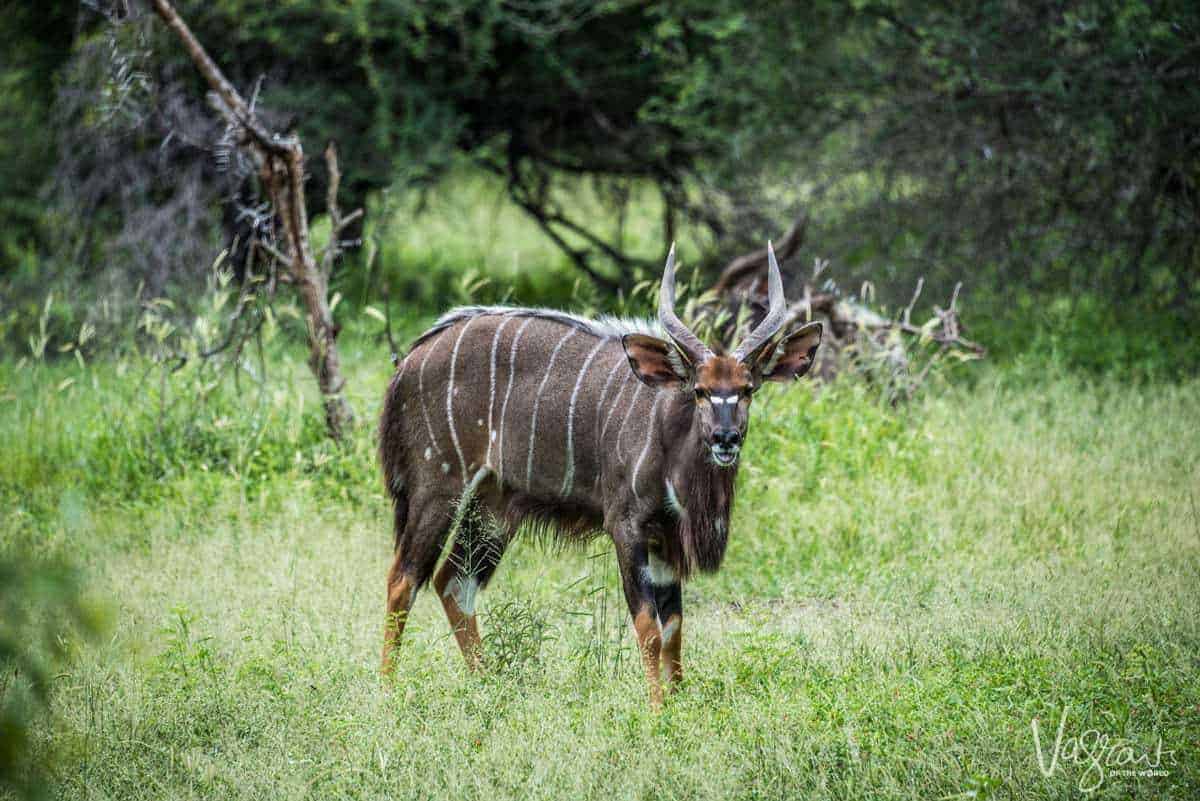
point(280, 161)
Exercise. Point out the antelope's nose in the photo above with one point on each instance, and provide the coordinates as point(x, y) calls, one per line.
point(727, 437)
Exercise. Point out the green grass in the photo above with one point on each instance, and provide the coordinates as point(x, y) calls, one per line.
point(905, 591)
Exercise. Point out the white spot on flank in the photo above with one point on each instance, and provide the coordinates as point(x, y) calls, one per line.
point(479, 422)
point(464, 590)
point(658, 572)
point(537, 402)
point(569, 478)
point(446, 467)
point(428, 453)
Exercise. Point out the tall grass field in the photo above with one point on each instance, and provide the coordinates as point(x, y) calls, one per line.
point(907, 591)
point(988, 592)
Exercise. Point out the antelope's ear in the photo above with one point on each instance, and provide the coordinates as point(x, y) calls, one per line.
point(792, 356)
point(656, 362)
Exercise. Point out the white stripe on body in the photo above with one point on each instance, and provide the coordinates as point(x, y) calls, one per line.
point(537, 400)
point(512, 366)
point(604, 392)
point(613, 408)
point(492, 389)
point(462, 464)
point(421, 397)
point(569, 477)
point(649, 438)
point(625, 419)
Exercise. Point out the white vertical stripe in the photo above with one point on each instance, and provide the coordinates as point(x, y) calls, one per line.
point(537, 400)
point(512, 365)
point(492, 388)
point(569, 476)
point(608, 382)
point(650, 431)
point(462, 463)
point(625, 419)
point(612, 409)
point(421, 397)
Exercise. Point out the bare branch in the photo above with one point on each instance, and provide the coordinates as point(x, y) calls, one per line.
point(750, 264)
point(281, 170)
point(215, 77)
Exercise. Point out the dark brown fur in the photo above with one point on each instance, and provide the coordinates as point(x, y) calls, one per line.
point(499, 419)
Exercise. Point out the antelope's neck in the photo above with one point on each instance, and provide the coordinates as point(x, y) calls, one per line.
point(703, 495)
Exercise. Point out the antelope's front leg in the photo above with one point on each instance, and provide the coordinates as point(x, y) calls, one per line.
point(640, 595)
point(669, 599)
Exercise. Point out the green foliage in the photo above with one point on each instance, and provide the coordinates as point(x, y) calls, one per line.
point(1087, 334)
point(35, 41)
point(43, 616)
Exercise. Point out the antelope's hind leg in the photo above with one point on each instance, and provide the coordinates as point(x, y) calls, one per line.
point(478, 546)
point(418, 546)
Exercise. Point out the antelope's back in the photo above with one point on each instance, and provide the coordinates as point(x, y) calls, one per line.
point(539, 398)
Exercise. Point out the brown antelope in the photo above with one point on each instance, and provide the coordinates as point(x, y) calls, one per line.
point(576, 426)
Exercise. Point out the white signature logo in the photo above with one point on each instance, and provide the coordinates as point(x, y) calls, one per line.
point(1101, 754)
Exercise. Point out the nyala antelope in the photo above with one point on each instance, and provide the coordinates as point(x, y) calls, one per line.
point(503, 416)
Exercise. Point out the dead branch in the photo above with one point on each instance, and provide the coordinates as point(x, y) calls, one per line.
point(895, 347)
point(337, 223)
point(280, 161)
point(751, 265)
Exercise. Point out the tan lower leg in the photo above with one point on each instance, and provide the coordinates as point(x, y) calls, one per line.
point(671, 649)
point(464, 626)
point(645, 624)
point(401, 591)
